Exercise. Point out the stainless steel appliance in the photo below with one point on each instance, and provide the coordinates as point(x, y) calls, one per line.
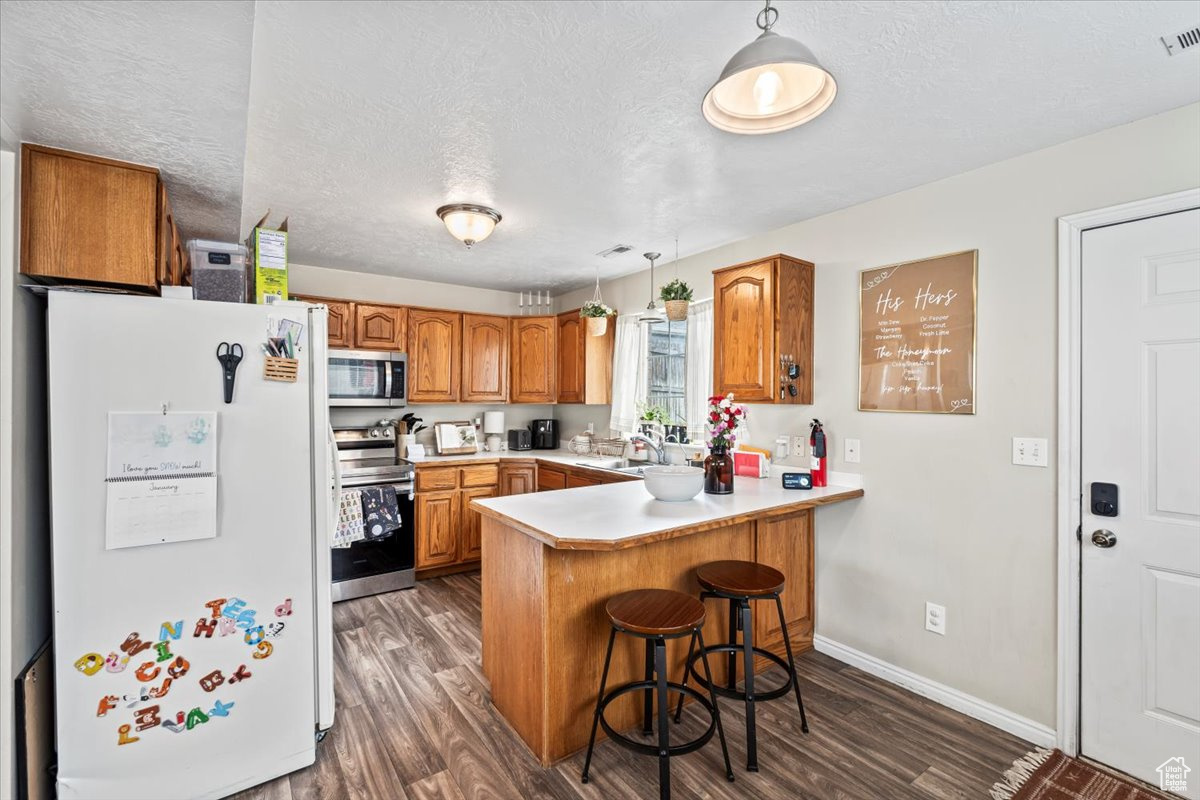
point(367, 378)
point(366, 456)
point(545, 434)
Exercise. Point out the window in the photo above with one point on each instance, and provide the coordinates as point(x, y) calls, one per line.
point(666, 371)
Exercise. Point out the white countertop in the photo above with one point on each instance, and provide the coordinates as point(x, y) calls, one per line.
point(560, 456)
point(617, 515)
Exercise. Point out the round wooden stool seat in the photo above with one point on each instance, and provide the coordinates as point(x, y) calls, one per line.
point(741, 578)
point(655, 612)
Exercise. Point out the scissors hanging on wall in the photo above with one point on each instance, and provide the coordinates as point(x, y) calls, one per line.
point(230, 355)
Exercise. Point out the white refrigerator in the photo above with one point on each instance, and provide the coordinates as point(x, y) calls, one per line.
point(191, 570)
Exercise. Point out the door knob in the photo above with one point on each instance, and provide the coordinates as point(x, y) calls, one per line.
point(1103, 538)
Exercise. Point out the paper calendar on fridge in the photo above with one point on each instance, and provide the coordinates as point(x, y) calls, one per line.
point(161, 479)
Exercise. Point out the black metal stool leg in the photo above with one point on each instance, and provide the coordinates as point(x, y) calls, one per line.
point(587, 761)
point(648, 694)
point(748, 656)
point(716, 709)
point(731, 678)
point(687, 668)
point(664, 730)
point(787, 642)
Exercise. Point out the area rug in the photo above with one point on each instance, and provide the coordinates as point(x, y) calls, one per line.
point(1051, 775)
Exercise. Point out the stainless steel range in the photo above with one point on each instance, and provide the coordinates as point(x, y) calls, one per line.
point(366, 457)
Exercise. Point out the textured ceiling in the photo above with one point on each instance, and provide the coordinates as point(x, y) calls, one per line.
point(579, 121)
point(163, 84)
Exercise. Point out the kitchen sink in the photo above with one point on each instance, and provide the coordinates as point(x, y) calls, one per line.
point(623, 465)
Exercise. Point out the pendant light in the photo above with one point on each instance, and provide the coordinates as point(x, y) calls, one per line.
point(651, 314)
point(770, 85)
point(469, 223)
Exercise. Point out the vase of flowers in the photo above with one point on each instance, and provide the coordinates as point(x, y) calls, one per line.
point(724, 419)
point(596, 313)
point(676, 295)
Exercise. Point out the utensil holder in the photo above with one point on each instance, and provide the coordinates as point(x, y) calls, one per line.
point(281, 369)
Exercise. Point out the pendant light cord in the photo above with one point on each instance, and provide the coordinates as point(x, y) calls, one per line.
point(767, 17)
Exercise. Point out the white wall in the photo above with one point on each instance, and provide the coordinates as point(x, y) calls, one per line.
point(946, 517)
point(24, 495)
point(385, 289)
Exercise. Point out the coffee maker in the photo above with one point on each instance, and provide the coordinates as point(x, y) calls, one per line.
point(545, 434)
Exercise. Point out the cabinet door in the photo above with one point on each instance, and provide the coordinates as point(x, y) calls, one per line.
point(379, 327)
point(472, 523)
point(434, 355)
point(517, 479)
point(549, 479)
point(571, 366)
point(575, 479)
point(744, 333)
point(165, 240)
point(484, 358)
point(437, 518)
point(88, 218)
point(341, 319)
point(533, 357)
point(787, 545)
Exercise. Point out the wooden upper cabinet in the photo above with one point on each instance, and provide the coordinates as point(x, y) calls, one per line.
point(484, 359)
point(584, 361)
point(341, 319)
point(86, 218)
point(379, 327)
point(762, 311)
point(434, 355)
point(533, 359)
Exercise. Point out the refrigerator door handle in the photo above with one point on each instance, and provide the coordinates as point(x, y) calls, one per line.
point(335, 506)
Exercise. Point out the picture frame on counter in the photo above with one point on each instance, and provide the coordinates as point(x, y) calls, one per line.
point(916, 345)
point(457, 436)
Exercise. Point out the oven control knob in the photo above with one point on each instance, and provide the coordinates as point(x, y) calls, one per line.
point(374, 433)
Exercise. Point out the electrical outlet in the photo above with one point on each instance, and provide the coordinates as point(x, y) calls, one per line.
point(799, 443)
point(935, 618)
point(591, 427)
point(1030, 452)
point(852, 449)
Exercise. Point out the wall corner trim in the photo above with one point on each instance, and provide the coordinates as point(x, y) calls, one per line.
point(1022, 727)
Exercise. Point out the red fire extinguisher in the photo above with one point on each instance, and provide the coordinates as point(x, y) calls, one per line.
point(820, 447)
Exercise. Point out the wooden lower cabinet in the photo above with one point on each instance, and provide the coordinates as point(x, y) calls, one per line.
point(437, 515)
point(786, 543)
point(518, 478)
point(472, 521)
point(551, 478)
point(576, 479)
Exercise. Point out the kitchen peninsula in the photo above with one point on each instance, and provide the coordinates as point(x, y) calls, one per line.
point(551, 560)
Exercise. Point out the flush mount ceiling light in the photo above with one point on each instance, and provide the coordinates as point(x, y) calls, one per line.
point(469, 223)
point(770, 85)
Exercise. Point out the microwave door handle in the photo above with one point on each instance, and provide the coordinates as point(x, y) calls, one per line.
point(387, 382)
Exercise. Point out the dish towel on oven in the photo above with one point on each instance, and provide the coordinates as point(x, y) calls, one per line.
point(350, 527)
point(381, 510)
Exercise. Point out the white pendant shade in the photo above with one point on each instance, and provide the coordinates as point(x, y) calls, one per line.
point(772, 84)
point(469, 223)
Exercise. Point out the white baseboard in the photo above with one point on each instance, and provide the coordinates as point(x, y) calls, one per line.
point(1035, 732)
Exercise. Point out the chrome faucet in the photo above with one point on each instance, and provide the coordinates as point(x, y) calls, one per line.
point(659, 452)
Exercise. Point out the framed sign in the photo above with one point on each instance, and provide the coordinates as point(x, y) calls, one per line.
point(916, 346)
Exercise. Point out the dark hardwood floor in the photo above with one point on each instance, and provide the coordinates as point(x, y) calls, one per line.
point(414, 721)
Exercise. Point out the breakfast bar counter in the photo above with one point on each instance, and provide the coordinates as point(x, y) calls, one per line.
point(552, 559)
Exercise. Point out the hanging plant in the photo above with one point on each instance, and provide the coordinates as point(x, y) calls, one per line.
point(676, 295)
point(596, 312)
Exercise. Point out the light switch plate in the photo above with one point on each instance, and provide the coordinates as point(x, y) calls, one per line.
point(852, 450)
point(1028, 452)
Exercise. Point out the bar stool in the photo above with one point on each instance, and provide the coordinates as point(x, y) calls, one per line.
point(739, 582)
point(656, 615)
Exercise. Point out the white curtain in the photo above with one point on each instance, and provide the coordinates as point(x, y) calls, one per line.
point(698, 378)
point(629, 372)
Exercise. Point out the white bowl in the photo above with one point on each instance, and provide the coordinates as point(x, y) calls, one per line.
point(673, 484)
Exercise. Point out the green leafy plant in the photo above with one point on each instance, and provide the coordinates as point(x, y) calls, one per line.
point(676, 290)
point(594, 308)
point(655, 413)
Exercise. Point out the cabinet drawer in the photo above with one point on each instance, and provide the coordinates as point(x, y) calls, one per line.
point(484, 475)
point(437, 478)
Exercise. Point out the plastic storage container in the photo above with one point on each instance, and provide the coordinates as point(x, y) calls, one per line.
point(218, 270)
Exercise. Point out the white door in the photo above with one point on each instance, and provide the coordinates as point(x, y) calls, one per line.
point(1140, 653)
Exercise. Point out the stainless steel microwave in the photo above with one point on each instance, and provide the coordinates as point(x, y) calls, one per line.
point(367, 378)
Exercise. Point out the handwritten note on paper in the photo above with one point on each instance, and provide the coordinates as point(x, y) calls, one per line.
point(161, 478)
point(917, 336)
